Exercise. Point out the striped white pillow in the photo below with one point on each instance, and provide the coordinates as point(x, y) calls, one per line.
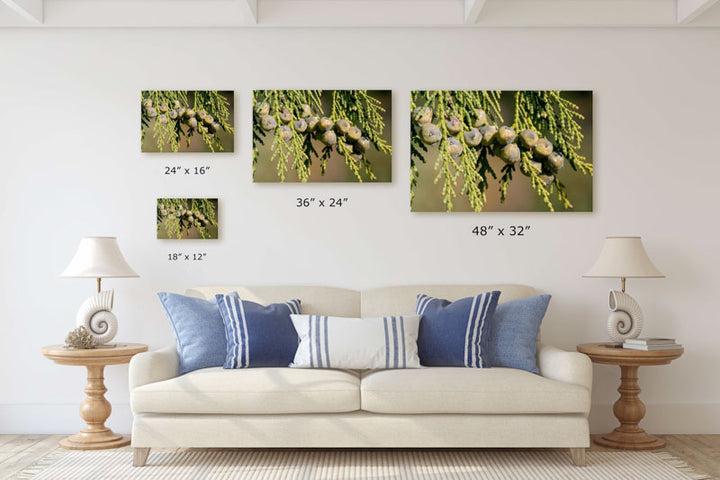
point(356, 343)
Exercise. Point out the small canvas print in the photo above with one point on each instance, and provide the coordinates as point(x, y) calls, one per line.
point(187, 218)
point(510, 151)
point(187, 121)
point(322, 136)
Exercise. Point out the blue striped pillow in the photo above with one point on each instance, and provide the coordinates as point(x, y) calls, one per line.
point(257, 335)
point(454, 334)
point(356, 343)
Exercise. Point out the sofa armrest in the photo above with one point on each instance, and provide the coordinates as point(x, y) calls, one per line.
point(156, 366)
point(564, 366)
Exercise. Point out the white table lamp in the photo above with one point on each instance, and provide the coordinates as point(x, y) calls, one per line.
point(623, 258)
point(98, 257)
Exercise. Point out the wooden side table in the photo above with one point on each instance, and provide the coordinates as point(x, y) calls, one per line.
point(95, 409)
point(629, 409)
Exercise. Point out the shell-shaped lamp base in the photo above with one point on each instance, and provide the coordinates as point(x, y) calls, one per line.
point(626, 317)
point(96, 315)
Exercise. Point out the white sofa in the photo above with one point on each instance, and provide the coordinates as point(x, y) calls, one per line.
point(435, 407)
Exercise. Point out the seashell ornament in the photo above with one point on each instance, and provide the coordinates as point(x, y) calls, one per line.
point(95, 314)
point(626, 317)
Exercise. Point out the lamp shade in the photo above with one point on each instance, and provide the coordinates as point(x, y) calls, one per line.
point(98, 257)
point(624, 257)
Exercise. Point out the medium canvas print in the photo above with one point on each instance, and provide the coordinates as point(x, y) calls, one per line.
point(322, 136)
point(187, 218)
point(187, 121)
point(492, 150)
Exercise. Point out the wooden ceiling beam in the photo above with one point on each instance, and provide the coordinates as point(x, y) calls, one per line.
point(473, 8)
point(250, 8)
point(149, 13)
point(31, 10)
point(358, 13)
point(689, 10)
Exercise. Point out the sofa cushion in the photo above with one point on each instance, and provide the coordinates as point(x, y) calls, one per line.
point(340, 302)
point(401, 300)
point(469, 390)
point(251, 391)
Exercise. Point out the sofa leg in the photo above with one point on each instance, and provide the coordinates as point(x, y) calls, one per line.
point(140, 456)
point(578, 456)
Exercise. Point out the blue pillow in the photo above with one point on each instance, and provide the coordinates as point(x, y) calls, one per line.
point(258, 336)
point(198, 328)
point(454, 334)
point(514, 331)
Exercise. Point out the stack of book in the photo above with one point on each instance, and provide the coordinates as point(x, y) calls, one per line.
point(651, 344)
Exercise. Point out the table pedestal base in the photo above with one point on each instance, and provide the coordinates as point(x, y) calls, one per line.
point(629, 410)
point(630, 440)
point(94, 441)
point(95, 409)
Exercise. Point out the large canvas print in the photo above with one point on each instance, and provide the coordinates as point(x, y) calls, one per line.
point(187, 121)
point(491, 150)
point(322, 136)
point(187, 218)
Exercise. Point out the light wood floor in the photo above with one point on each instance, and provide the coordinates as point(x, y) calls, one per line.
point(702, 452)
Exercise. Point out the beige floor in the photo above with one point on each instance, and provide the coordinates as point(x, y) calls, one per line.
point(702, 452)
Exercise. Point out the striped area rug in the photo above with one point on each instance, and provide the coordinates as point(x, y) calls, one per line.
point(356, 464)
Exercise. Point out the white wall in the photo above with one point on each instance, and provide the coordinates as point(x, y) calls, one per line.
point(70, 166)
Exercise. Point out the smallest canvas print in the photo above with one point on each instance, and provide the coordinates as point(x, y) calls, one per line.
point(187, 218)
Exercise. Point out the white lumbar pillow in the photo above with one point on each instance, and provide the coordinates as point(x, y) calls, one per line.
point(356, 343)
